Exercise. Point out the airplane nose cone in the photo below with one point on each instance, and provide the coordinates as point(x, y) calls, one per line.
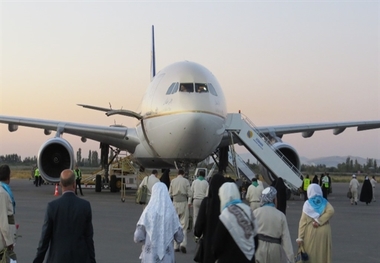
point(196, 135)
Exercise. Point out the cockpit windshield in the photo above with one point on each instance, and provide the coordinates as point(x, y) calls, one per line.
point(191, 87)
point(186, 87)
point(201, 88)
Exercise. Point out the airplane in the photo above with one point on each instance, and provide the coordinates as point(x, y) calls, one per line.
point(183, 120)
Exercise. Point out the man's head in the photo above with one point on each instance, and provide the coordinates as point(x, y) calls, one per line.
point(201, 173)
point(181, 172)
point(67, 180)
point(5, 173)
point(268, 195)
point(155, 172)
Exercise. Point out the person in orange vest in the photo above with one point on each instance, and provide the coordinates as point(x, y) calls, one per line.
point(305, 184)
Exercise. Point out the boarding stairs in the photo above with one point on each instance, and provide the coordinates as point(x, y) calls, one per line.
point(241, 168)
point(257, 144)
point(235, 163)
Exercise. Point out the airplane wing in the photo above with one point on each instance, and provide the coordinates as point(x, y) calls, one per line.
point(308, 130)
point(118, 136)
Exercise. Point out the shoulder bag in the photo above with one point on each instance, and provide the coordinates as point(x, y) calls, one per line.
point(142, 194)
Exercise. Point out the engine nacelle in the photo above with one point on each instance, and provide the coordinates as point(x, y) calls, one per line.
point(54, 156)
point(291, 155)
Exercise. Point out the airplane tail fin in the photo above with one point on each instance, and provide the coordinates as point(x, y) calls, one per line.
point(153, 58)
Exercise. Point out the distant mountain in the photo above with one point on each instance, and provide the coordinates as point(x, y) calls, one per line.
point(329, 161)
point(333, 161)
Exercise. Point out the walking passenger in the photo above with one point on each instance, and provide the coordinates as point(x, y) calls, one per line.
point(254, 193)
point(199, 189)
point(354, 188)
point(315, 180)
point(314, 231)
point(165, 177)
point(67, 232)
point(149, 181)
point(236, 228)
point(180, 191)
point(366, 192)
point(273, 234)
point(208, 215)
point(158, 227)
point(373, 183)
point(7, 211)
point(281, 195)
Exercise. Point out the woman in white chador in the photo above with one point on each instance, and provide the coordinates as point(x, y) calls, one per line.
point(157, 227)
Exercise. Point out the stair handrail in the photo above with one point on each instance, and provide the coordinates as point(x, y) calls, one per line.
point(266, 140)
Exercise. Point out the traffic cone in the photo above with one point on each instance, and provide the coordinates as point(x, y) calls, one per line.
point(56, 190)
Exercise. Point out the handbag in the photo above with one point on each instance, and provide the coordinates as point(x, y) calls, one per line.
point(8, 256)
point(349, 194)
point(198, 257)
point(142, 194)
point(301, 256)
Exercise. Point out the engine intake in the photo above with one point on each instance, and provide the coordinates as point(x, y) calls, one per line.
point(54, 156)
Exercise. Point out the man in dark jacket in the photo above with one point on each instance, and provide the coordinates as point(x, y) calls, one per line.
point(67, 228)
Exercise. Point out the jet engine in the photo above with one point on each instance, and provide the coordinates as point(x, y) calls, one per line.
point(292, 159)
point(54, 156)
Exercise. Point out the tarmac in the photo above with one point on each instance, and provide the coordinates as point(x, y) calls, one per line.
point(355, 228)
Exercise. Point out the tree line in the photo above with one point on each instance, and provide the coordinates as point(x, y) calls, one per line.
point(14, 159)
point(92, 160)
point(349, 166)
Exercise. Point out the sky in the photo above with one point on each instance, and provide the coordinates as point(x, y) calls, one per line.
point(278, 62)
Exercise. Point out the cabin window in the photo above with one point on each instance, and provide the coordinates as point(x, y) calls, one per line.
point(212, 89)
point(201, 88)
point(186, 87)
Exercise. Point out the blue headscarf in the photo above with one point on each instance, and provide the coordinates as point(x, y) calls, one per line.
point(9, 191)
point(316, 204)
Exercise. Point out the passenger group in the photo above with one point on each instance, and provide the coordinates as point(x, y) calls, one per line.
point(225, 227)
point(229, 229)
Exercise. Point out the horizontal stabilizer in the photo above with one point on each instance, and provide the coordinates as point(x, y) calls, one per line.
point(110, 112)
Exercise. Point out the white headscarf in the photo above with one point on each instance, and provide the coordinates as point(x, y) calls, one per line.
point(238, 219)
point(160, 219)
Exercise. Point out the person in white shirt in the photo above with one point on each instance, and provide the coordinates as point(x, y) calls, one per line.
point(199, 188)
point(373, 183)
point(149, 181)
point(354, 187)
point(180, 191)
point(254, 193)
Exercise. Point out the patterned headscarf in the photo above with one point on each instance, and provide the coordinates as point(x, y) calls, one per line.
point(238, 219)
point(268, 195)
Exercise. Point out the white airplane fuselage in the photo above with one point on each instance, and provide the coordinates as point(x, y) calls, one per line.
point(180, 126)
